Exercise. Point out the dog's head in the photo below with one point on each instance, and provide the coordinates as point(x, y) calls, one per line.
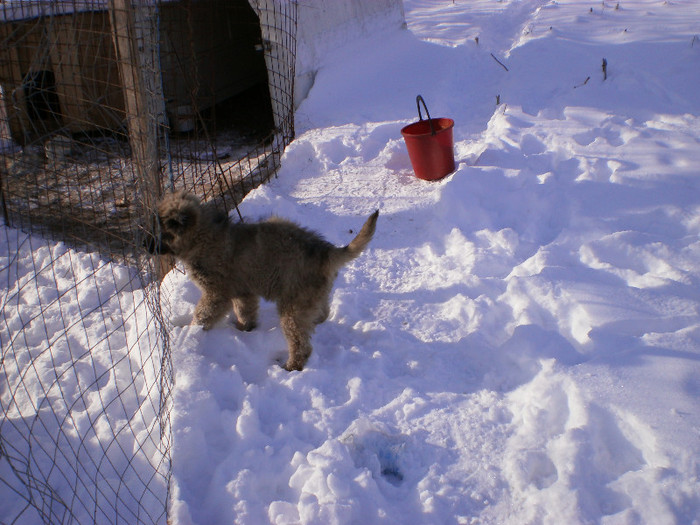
point(178, 216)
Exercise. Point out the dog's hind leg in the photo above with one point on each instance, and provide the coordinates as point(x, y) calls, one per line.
point(297, 328)
point(246, 310)
point(323, 312)
point(209, 310)
point(323, 308)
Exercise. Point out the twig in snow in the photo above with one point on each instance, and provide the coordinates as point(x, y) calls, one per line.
point(605, 69)
point(584, 83)
point(502, 65)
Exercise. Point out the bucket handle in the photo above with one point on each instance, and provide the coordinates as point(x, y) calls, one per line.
point(419, 99)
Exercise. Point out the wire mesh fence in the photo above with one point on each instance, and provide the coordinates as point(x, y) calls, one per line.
point(104, 105)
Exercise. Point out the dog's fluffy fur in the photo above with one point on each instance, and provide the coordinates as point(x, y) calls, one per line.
point(235, 264)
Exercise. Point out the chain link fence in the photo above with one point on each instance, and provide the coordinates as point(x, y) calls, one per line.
point(105, 105)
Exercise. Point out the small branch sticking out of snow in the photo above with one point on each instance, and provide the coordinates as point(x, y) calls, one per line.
point(584, 83)
point(605, 69)
point(502, 65)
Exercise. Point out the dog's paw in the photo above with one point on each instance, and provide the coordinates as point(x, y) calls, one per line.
point(204, 323)
point(246, 327)
point(291, 366)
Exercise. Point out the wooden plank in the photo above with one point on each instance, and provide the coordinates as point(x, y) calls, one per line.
point(100, 75)
point(11, 79)
point(63, 47)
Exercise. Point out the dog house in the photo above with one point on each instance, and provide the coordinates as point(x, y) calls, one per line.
point(59, 65)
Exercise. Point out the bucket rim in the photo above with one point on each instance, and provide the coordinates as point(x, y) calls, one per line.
point(444, 124)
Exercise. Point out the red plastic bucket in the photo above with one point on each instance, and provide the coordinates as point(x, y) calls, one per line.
point(430, 145)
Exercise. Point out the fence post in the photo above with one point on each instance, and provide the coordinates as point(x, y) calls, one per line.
point(5, 137)
point(136, 36)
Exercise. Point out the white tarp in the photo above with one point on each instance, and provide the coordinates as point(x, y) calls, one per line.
point(323, 26)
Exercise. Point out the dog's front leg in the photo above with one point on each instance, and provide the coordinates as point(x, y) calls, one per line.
point(246, 310)
point(210, 309)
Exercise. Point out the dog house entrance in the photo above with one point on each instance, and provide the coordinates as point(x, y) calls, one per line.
point(215, 79)
point(42, 100)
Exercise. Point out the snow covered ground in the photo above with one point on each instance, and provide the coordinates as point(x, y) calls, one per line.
point(521, 341)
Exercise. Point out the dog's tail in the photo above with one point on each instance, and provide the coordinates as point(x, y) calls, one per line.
point(341, 256)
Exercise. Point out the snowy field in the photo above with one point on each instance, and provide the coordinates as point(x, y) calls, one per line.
point(520, 343)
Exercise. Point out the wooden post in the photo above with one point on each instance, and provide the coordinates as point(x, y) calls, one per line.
point(135, 38)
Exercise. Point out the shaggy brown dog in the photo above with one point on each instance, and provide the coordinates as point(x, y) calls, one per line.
point(235, 264)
